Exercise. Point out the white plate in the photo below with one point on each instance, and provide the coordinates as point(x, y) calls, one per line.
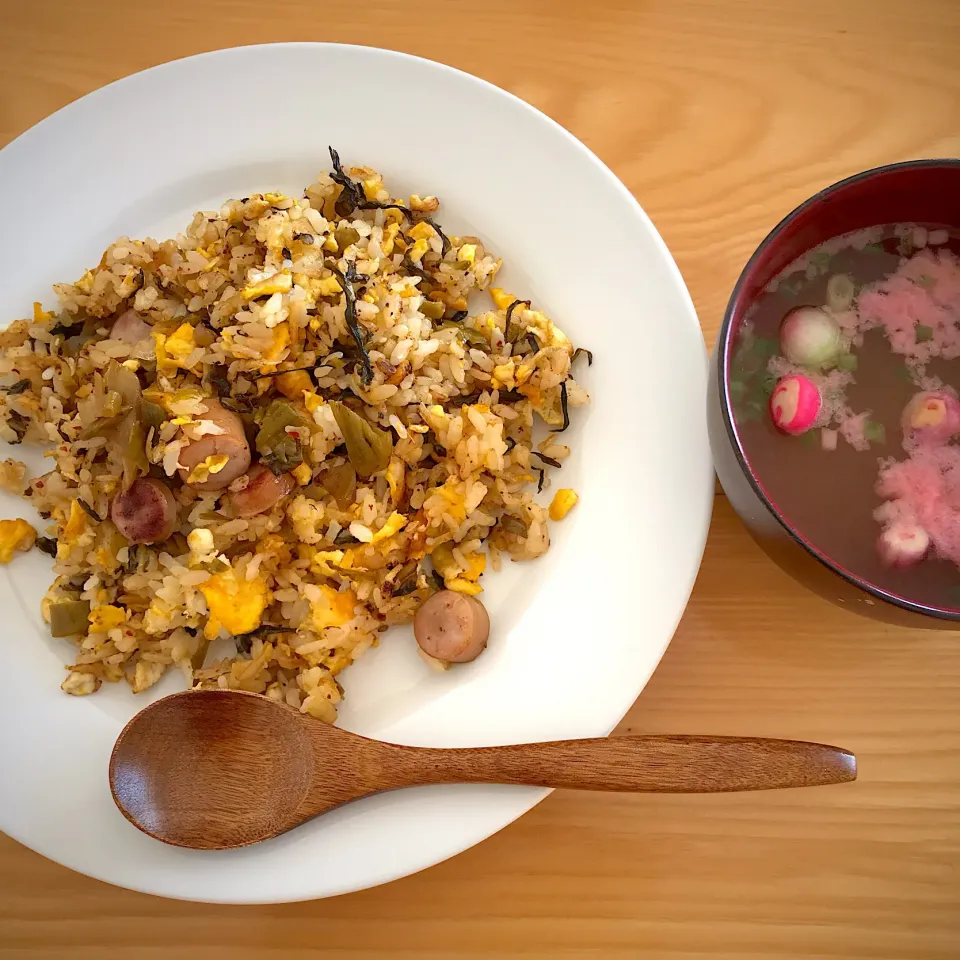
point(576, 635)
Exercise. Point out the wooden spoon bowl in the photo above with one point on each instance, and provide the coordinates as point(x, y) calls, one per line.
point(213, 769)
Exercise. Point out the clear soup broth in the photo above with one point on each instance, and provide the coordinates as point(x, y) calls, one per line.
point(844, 380)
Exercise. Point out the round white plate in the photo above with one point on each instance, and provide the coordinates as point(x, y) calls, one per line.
point(575, 635)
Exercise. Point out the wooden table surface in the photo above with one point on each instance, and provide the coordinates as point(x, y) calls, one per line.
point(720, 117)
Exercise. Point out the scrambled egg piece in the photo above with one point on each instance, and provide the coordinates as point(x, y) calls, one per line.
point(312, 401)
point(462, 585)
point(211, 465)
point(456, 500)
point(504, 375)
point(421, 231)
point(395, 474)
point(333, 609)
point(106, 618)
point(324, 562)
point(294, 383)
point(281, 340)
point(200, 544)
point(461, 581)
point(39, 314)
point(302, 474)
point(235, 604)
point(172, 351)
point(15, 535)
point(501, 298)
point(394, 524)
point(327, 287)
point(372, 187)
point(390, 232)
point(547, 332)
point(563, 502)
point(279, 283)
point(418, 250)
point(76, 525)
point(468, 253)
point(423, 204)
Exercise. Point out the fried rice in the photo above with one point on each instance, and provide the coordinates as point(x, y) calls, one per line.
point(375, 365)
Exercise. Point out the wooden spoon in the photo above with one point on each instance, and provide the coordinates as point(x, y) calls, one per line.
point(212, 769)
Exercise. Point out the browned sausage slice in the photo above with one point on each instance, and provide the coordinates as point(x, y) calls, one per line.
point(232, 443)
point(452, 626)
point(146, 513)
point(263, 491)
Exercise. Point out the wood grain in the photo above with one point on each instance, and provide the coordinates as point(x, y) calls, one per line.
point(720, 116)
point(219, 769)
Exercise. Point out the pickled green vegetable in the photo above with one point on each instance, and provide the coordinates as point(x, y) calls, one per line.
point(152, 413)
point(368, 447)
point(432, 309)
point(473, 337)
point(341, 483)
point(131, 439)
point(345, 236)
point(281, 451)
point(68, 618)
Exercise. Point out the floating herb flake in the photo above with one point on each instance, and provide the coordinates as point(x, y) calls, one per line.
point(874, 432)
point(738, 390)
point(847, 362)
point(923, 333)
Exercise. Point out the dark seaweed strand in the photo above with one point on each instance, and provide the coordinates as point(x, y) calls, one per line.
point(542, 474)
point(506, 327)
point(511, 443)
point(89, 511)
point(63, 329)
point(47, 545)
point(564, 408)
point(547, 460)
point(346, 284)
point(405, 588)
point(532, 342)
point(352, 191)
point(459, 316)
point(437, 580)
point(244, 641)
point(345, 538)
point(589, 355)
point(411, 267)
point(218, 375)
point(444, 240)
point(306, 238)
point(17, 387)
point(19, 424)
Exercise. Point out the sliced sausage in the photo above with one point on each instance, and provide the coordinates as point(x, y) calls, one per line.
point(452, 626)
point(263, 491)
point(129, 328)
point(146, 513)
point(232, 443)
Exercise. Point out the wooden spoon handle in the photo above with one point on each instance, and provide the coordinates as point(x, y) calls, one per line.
point(656, 764)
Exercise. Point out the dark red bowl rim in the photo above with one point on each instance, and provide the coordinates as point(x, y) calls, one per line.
point(723, 360)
